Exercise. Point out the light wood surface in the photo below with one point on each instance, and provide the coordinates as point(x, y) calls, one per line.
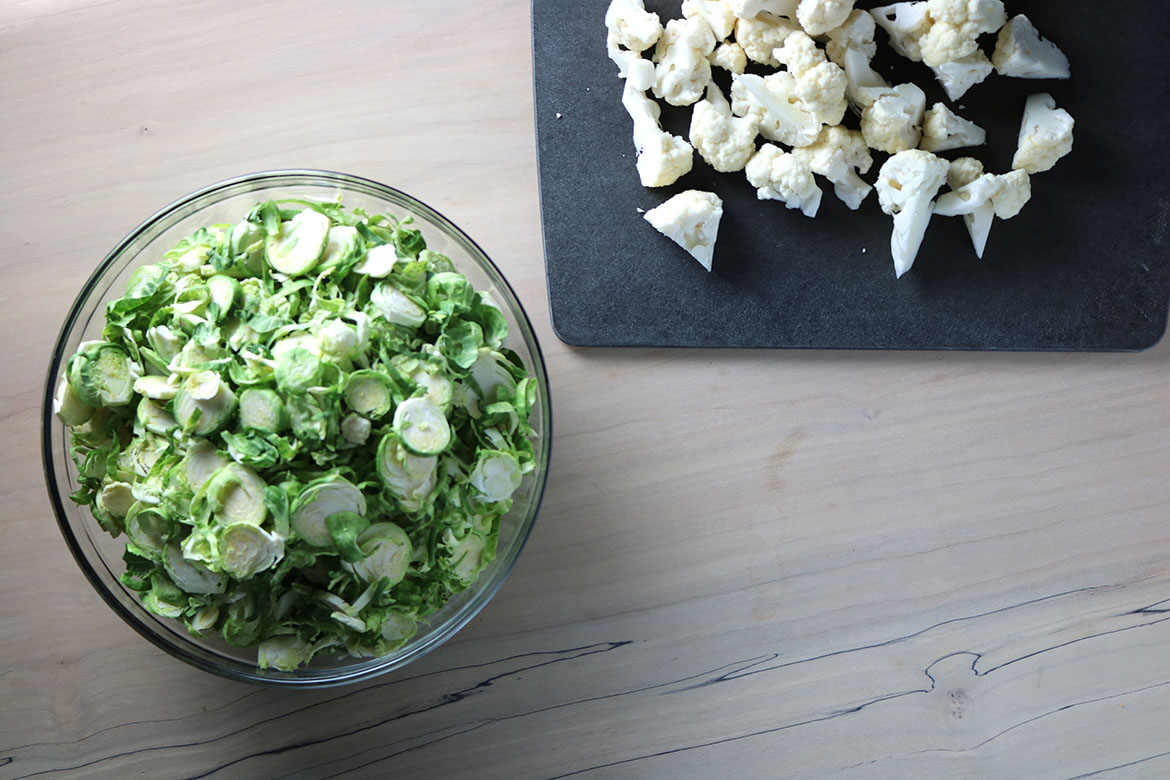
point(748, 565)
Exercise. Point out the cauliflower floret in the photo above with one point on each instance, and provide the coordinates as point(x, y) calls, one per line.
point(749, 9)
point(817, 17)
point(958, 76)
point(716, 13)
point(683, 72)
point(906, 185)
point(905, 23)
point(820, 84)
point(839, 155)
point(963, 170)
point(1021, 52)
point(981, 199)
point(730, 57)
point(662, 157)
point(637, 71)
point(632, 25)
point(942, 129)
point(852, 47)
point(691, 220)
point(772, 101)
point(955, 26)
point(762, 35)
point(892, 123)
point(723, 140)
point(1046, 135)
point(777, 175)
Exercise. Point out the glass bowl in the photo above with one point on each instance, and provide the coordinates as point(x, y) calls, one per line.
point(100, 556)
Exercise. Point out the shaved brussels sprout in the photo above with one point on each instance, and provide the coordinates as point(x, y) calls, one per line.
point(307, 428)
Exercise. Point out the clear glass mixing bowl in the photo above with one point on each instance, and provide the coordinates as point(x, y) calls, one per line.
point(100, 556)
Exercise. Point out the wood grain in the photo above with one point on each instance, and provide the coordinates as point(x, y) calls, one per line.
point(749, 564)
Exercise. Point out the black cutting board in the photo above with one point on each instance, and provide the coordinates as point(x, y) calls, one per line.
point(1082, 267)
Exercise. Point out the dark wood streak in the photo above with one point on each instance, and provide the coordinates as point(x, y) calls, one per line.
point(1041, 716)
point(128, 724)
point(1097, 772)
point(446, 699)
point(561, 655)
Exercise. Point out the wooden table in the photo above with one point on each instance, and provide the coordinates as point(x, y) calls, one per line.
point(748, 565)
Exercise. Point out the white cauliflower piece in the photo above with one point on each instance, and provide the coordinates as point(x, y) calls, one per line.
point(760, 36)
point(955, 26)
point(772, 101)
point(892, 122)
point(981, 199)
point(725, 141)
point(637, 71)
point(662, 157)
point(778, 175)
point(820, 84)
point(683, 72)
point(963, 170)
point(632, 25)
point(906, 186)
point(852, 47)
point(1020, 52)
point(905, 23)
point(730, 56)
point(840, 155)
point(716, 13)
point(691, 220)
point(958, 76)
point(1046, 135)
point(943, 129)
point(817, 17)
point(749, 9)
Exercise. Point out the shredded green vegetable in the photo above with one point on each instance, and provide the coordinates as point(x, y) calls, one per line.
point(306, 425)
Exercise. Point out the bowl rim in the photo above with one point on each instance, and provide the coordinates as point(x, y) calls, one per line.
point(362, 669)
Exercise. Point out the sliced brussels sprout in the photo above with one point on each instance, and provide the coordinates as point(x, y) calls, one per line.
point(154, 417)
point(496, 475)
point(344, 529)
point(283, 653)
point(246, 549)
point(116, 498)
point(318, 501)
point(296, 249)
point(378, 262)
point(201, 462)
point(100, 375)
point(396, 306)
point(421, 426)
point(340, 244)
point(164, 341)
point(465, 556)
point(68, 407)
point(387, 551)
point(262, 409)
point(297, 370)
point(337, 340)
point(355, 429)
point(204, 620)
point(409, 477)
point(438, 387)
point(191, 576)
point(301, 340)
point(156, 388)
point(489, 374)
point(236, 495)
point(204, 403)
point(368, 392)
point(225, 292)
point(150, 528)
